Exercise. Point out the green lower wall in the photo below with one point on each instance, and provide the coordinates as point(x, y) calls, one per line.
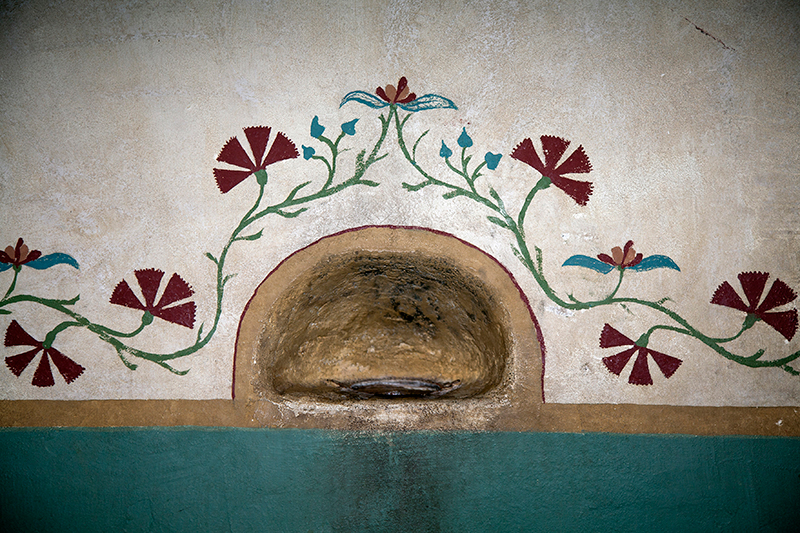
point(221, 480)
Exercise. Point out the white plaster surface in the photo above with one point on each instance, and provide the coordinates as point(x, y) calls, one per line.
point(112, 115)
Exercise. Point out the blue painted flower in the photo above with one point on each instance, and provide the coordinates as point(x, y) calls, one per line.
point(316, 129)
point(350, 127)
point(308, 152)
point(464, 140)
point(492, 160)
point(399, 96)
point(444, 151)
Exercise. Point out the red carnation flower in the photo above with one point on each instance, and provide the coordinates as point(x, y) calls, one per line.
point(19, 255)
point(233, 153)
point(622, 258)
point(554, 148)
point(149, 281)
point(753, 283)
point(640, 374)
point(399, 95)
point(43, 377)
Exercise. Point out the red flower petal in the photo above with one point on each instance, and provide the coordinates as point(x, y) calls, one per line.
point(32, 256)
point(605, 258)
point(18, 363)
point(401, 85)
point(410, 98)
point(666, 363)
point(234, 154)
point(784, 322)
point(616, 363)
point(16, 336)
point(228, 179)
point(640, 375)
point(753, 284)
point(177, 289)
point(526, 153)
point(577, 190)
point(18, 249)
point(43, 377)
point(576, 163)
point(628, 246)
point(282, 148)
point(779, 294)
point(257, 137)
point(182, 314)
point(554, 148)
point(123, 295)
point(725, 295)
point(610, 337)
point(69, 369)
point(149, 279)
point(380, 92)
point(636, 261)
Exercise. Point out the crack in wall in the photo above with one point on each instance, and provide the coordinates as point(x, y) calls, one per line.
point(704, 32)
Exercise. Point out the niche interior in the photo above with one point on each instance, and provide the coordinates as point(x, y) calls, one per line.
point(397, 325)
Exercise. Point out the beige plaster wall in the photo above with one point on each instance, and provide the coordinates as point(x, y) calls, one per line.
point(112, 115)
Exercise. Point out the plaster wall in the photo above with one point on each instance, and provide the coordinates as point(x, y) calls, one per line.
point(112, 116)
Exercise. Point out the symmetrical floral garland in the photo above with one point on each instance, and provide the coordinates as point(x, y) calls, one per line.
point(398, 106)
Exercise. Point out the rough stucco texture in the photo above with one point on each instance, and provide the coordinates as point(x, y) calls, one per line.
point(112, 115)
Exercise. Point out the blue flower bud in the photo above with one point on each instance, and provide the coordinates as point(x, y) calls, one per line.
point(444, 151)
point(308, 152)
point(316, 129)
point(464, 140)
point(492, 160)
point(350, 127)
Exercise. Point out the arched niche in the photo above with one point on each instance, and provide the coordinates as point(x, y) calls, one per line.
point(382, 325)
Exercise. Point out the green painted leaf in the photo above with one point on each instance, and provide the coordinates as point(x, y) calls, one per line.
point(253, 237)
point(498, 221)
point(292, 214)
point(453, 194)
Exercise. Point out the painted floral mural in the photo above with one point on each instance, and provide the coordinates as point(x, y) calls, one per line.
point(465, 175)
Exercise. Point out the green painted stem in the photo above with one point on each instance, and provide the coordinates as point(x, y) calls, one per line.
point(645, 339)
point(430, 180)
point(292, 200)
point(334, 148)
point(249, 218)
point(112, 337)
point(12, 286)
point(535, 268)
point(541, 185)
point(51, 335)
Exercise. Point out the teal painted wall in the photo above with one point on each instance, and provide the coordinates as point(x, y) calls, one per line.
point(221, 480)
